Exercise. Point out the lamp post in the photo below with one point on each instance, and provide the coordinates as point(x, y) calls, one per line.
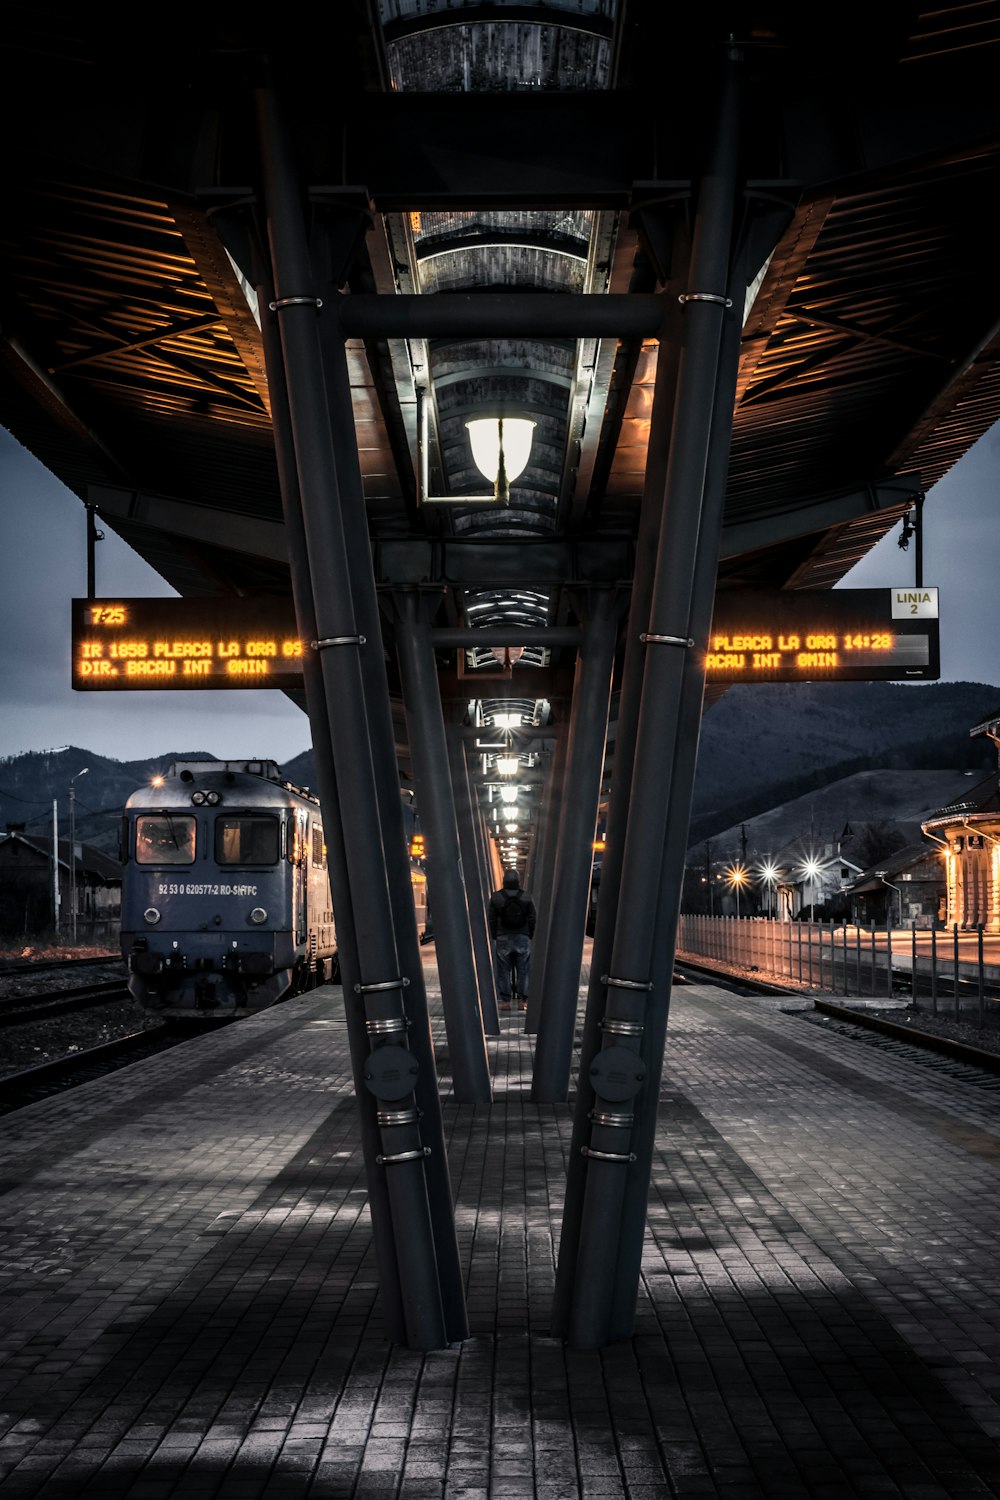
point(737, 877)
point(769, 874)
point(811, 870)
point(72, 848)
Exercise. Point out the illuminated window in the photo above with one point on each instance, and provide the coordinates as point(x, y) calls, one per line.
point(164, 839)
point(248, 839)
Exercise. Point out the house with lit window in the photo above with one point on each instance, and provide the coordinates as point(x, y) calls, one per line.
point(968, 834)
point(904, 889)
point(810, 879)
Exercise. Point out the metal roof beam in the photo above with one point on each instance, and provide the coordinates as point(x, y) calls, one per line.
point(741, 537)
point(249, 535)
point(518, 562)
point(394, 29)
point(508, 315)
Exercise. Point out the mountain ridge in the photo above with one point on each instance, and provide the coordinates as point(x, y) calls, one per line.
point(761, 747)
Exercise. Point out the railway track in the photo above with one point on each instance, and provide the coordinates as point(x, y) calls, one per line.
point(18, 1010)
point(84, 1066)
point(946, 1052)
point(45, 965)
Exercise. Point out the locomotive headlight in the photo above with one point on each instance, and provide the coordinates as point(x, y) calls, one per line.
point(151, 915)
point(198, 798)
point(258, 915)
point(213, 798)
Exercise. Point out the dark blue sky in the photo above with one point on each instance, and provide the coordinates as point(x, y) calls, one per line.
point(43, 566)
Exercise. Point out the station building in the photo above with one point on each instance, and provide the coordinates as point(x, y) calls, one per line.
point(969, 834)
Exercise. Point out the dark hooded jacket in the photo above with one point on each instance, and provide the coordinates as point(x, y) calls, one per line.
point(500, 901)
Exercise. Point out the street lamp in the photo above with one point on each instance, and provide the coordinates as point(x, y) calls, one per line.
point(737, 876)
point(72, 847)
point(811, 870)
point(769, 873)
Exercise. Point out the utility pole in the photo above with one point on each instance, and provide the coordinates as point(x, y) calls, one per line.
point(55, 866)
point(72, 849)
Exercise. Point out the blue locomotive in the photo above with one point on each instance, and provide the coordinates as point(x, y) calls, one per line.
point(225, 892)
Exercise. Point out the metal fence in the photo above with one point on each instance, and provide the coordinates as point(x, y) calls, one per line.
point(941, 971)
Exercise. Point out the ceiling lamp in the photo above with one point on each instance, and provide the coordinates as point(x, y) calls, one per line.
point(501, 447)
point(507, 764)
point(508, 795)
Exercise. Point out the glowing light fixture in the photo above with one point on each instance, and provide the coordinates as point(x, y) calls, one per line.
point(501, 447)
point(508, 794)
point(738, 877)
point(507, 764)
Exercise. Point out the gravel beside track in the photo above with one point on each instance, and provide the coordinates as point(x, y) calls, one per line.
point(986, 1038)
point(42, 1041)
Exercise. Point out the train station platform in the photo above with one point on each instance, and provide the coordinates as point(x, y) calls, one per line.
point(190, 1309)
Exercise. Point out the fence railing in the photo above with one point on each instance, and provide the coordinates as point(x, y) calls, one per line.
point(939, 970)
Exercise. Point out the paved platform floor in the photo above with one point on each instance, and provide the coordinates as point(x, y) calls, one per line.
point(188, 1302)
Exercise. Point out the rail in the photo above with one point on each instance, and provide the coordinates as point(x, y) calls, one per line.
point(950, 971)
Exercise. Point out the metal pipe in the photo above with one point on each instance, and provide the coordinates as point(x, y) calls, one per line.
point(689, 721)
point(340, 884)
point(934, 976)
point(588, 734)
point(93, 537)
point(544, 873)
point(452, 929)
point(507, 635)
point(472, 876)
point(623, 315)
point(687, 533)
point(55, 866)
point(650, 517)
point(343, 685)
point(394, 841)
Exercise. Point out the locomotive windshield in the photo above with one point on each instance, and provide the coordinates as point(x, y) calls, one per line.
point(247, 839)
point(164, 839)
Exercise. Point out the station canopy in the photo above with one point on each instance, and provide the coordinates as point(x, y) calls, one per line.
point(549, 149)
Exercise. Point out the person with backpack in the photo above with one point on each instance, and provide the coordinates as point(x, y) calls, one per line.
point(512, 926)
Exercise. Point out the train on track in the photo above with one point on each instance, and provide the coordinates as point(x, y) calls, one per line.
point(225, 893)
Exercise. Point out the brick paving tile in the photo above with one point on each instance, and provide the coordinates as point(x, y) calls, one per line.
point(189, 1306)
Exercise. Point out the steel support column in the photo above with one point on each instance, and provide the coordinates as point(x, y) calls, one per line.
point(559, 979)
point(386, 770)
point(671, 878)
point(463, 1019)
point(612, 1071)
point(544, 863)
point(381, 986)
point(467, 815)
point(340, 884)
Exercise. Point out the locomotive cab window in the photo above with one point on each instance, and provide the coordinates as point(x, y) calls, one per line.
point(247, 839)
point(164, 839)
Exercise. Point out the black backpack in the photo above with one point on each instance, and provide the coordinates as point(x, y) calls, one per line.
point(513, 913)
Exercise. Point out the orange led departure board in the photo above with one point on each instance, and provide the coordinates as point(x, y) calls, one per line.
point(825, 635)
point(121, 644)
